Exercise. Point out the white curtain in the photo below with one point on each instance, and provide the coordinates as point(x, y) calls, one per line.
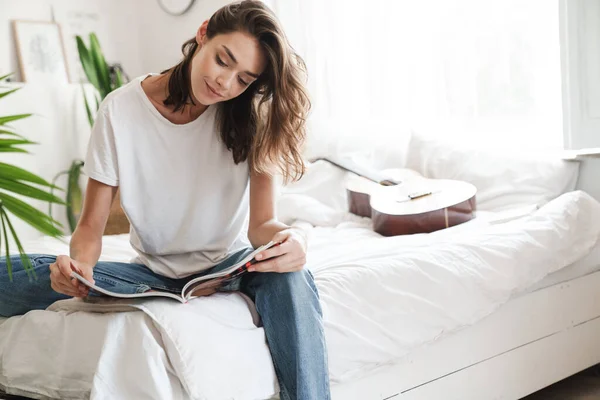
point(483, 70)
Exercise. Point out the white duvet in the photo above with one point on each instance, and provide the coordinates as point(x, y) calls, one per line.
point(382, 298)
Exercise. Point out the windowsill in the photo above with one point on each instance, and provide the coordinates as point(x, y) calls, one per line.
point(573, 155)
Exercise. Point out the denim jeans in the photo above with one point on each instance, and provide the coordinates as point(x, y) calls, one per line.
point(288, 304)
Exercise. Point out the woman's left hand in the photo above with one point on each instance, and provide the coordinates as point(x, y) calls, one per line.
point(289, 256)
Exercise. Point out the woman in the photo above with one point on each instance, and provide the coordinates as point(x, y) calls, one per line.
point(185, 147)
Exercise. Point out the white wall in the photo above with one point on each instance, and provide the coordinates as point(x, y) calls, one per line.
point(136, 33)
point(110, 19)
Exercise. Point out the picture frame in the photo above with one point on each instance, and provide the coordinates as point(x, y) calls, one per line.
point(40, 51)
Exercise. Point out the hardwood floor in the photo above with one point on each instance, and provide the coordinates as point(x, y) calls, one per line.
point(582, 386)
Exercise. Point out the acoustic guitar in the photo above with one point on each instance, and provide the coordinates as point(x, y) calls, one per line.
point(401, 201)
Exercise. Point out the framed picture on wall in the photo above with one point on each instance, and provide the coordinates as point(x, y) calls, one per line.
point(40, 51)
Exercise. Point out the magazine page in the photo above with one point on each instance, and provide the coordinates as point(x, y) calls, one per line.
point(150, 293)
point(211, 282)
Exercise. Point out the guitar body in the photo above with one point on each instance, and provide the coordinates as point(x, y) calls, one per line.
point(426, 222)
point(417, 205)
point(402, 202)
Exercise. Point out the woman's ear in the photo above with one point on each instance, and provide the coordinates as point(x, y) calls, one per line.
point(201, 34)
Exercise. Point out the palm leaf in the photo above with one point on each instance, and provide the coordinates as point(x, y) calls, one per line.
point(4, 120)
point(28, 190)
point(25, 261)
point(14, 142)
point(23, 175)
point(40, 221)
point(9, 92)
point(12, 150)
point(5, 132)
point(8, 262)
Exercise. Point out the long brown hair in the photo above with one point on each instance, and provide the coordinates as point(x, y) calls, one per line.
point(266, 124)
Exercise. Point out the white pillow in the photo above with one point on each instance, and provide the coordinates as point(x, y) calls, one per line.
point(503, 180)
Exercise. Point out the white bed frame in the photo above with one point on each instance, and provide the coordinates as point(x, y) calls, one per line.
point(532, 341)
point(529, 343)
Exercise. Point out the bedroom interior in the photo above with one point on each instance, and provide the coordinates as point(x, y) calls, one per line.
point(492, 295)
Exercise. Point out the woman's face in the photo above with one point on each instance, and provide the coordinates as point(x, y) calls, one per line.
point(224, 66)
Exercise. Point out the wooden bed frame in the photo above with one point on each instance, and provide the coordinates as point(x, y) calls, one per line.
point(529, 343)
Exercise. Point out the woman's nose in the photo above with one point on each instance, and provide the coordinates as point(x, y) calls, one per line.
point(224, 81)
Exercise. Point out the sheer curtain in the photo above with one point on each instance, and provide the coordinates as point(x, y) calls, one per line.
point(478, 70)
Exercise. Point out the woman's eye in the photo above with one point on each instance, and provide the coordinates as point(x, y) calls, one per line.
point(220, 62)
point(242, 82)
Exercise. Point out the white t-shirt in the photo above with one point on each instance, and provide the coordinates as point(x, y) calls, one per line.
point(186, 200)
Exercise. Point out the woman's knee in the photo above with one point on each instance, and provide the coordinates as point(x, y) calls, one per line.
point(23, 289)
point(295, 286)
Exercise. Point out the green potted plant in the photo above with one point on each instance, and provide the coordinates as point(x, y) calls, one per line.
point(102, 76)
point(105, 79)
point(15, 180)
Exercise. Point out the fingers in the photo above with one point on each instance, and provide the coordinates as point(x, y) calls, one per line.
point(69, 290)
point(284, 263)
point(64, 266)
point(59, 284)
point(61, 281)
point(274, 251)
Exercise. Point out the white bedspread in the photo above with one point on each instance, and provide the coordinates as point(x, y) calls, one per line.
point(382, 298)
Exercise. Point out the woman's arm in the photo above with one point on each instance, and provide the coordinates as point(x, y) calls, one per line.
point(263, 223)
point(264, 227)
point(86, 242)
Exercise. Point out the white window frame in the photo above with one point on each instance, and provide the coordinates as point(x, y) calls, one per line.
point(580, 65)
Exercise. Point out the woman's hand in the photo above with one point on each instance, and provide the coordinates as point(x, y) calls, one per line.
point(60, 276)
point(289, 256)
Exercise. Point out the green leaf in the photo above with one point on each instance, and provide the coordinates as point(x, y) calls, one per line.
point(74, 195)
point(40, 221)
point(8, 262)
point(4, 120)
point(14, 142)
point(100, 65)
point(23, 175)
point(5, 76)
point(119, 79)
point(86, 61)
point(9, 92)
point(25, 261)
point(28, 190)
point(12, 150)
point(5, 132)
point(87, 109)
point(52, 189)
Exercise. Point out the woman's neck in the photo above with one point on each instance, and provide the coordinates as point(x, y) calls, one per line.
point(156, 88)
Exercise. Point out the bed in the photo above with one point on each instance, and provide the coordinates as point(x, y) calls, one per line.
point(497, 308)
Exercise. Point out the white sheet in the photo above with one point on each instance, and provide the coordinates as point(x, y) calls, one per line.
point(382, 298)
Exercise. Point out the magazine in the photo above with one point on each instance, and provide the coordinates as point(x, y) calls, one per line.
point(197, 287)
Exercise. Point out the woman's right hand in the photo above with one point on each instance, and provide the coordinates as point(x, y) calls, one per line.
point(62, 282)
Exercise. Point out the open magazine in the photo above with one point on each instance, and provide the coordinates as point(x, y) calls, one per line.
point(197, 287)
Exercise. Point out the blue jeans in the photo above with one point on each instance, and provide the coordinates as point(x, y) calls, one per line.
point(288, 304)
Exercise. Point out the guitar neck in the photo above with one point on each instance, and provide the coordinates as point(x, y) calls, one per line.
point(367, 173)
